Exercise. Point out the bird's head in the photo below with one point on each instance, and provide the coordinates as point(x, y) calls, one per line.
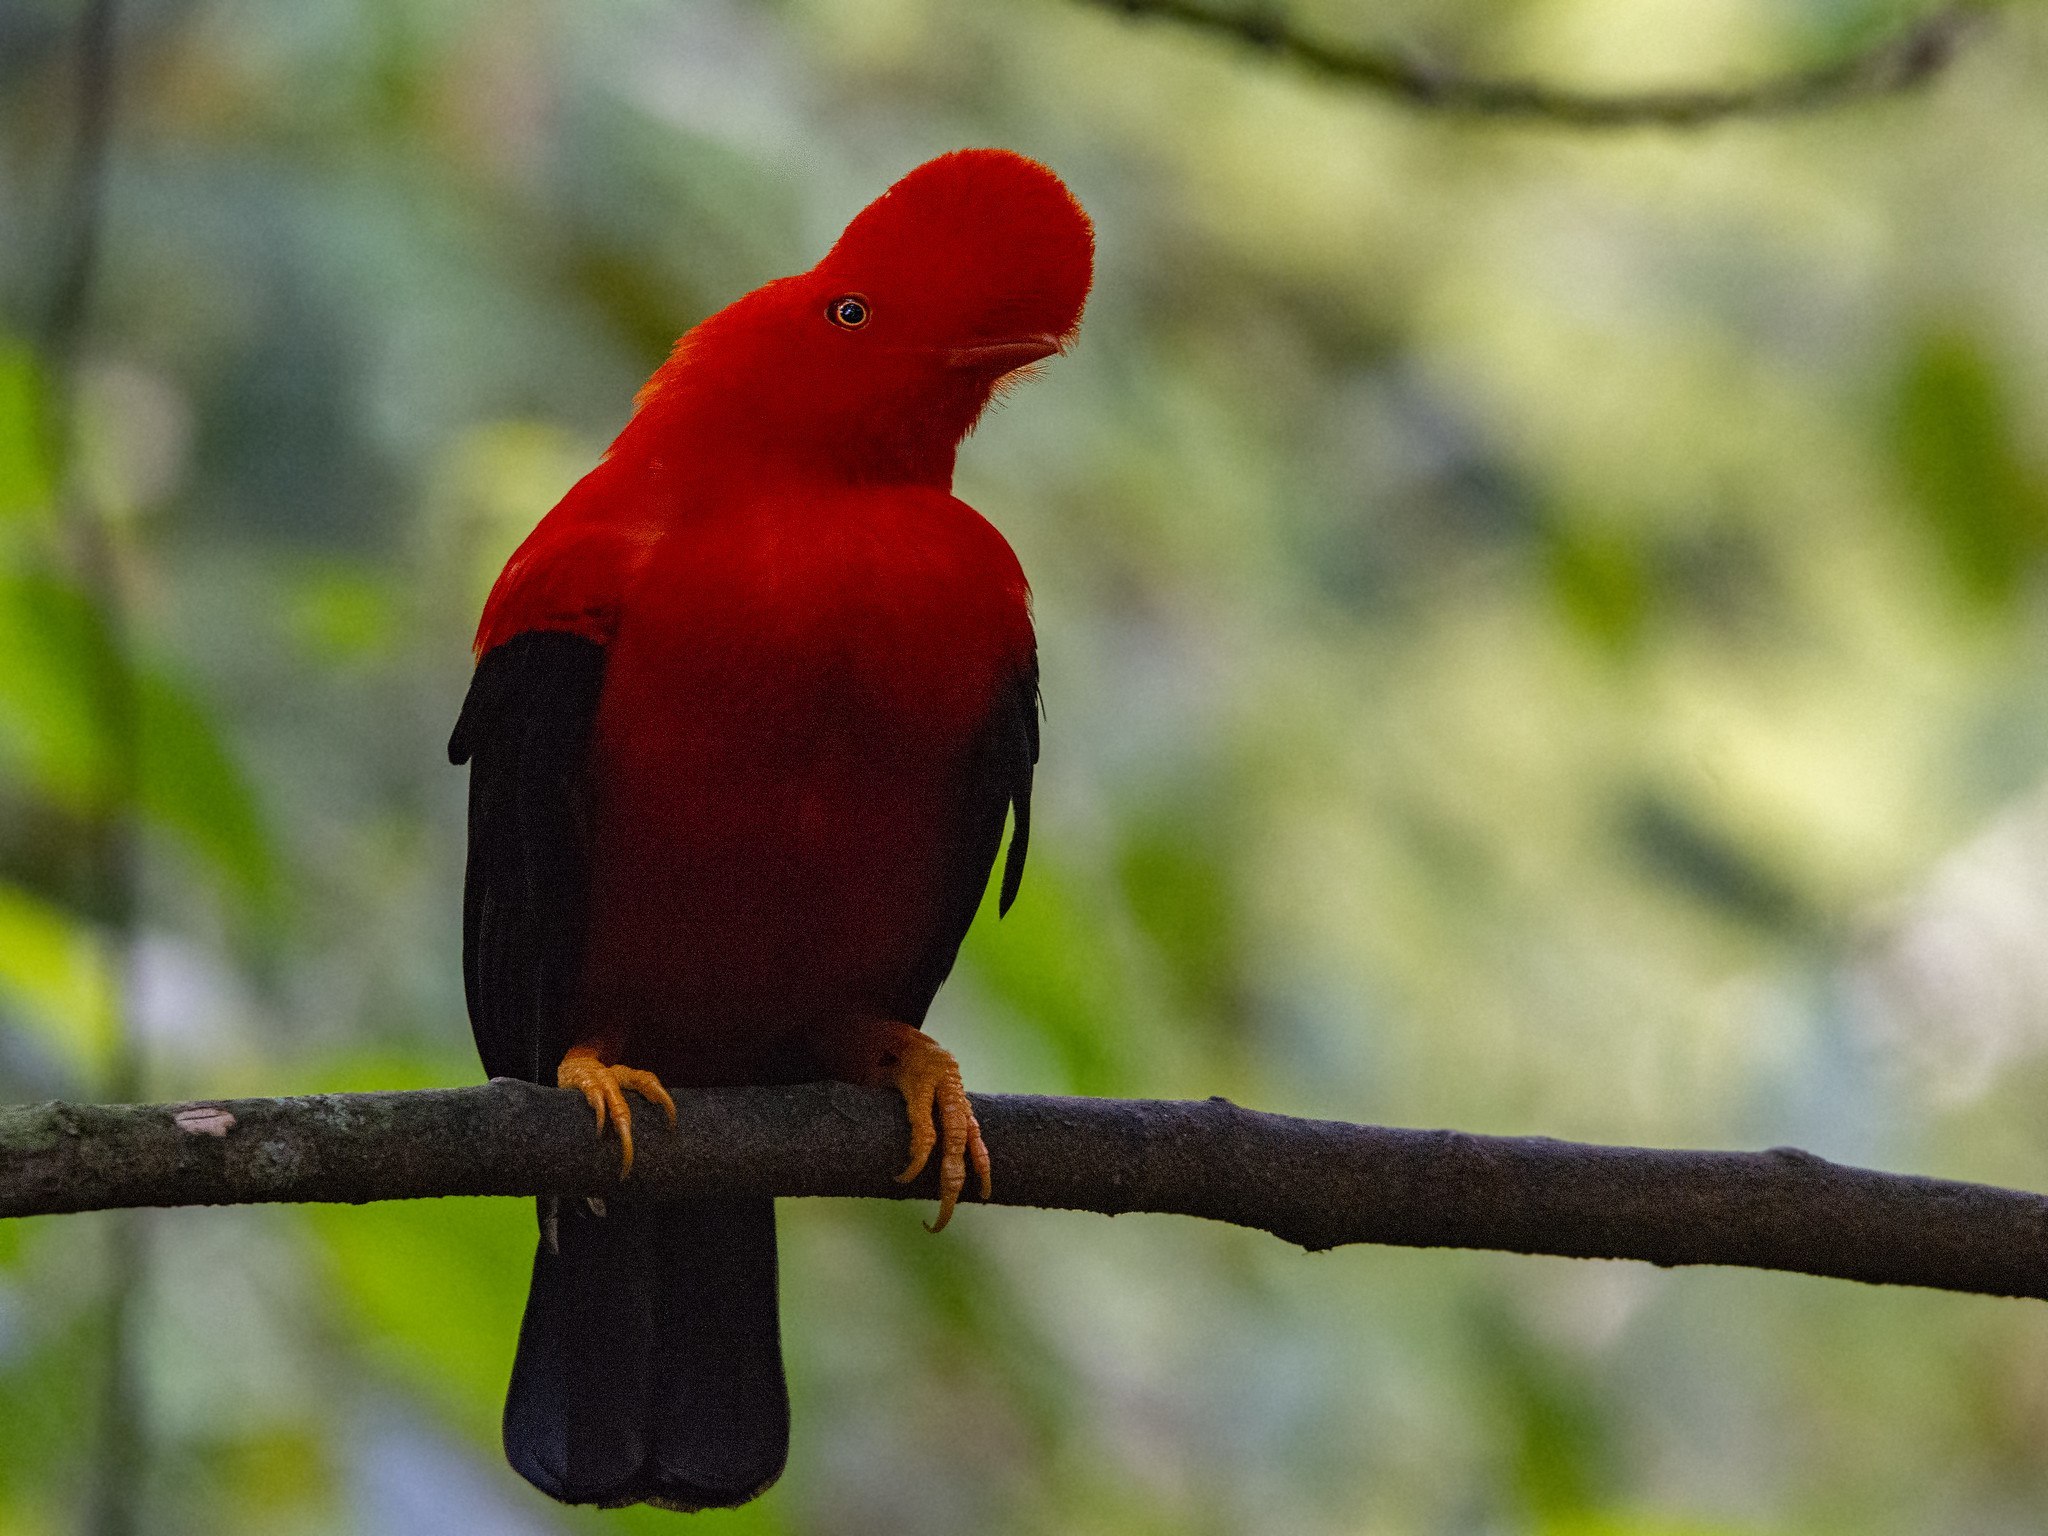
point(879, 360)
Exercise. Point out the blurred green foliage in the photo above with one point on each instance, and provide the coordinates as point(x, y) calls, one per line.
point(1541, 633)
point(1964, 457)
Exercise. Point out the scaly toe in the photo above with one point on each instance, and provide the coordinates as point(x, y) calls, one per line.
point(917, 1104)
point(963, 1140)
point(648, 1086)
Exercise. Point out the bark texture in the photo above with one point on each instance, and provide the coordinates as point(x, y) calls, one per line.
point(1319, 1184)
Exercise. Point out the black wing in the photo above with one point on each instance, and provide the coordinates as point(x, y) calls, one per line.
point(995, 783)
point(525, 732)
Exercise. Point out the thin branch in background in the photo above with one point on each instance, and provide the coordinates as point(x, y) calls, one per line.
point(120, 1450)
point(1897, 62)
point(1318, 1183)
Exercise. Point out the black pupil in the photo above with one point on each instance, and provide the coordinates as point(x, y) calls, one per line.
point(850, 312)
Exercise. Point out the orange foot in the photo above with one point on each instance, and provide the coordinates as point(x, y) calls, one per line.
point(928, 1077)
point(605, 1085)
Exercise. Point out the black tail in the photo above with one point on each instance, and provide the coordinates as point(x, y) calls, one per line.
point(650, 1359)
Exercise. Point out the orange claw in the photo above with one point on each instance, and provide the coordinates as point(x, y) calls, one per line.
point(605, 1085)
point(926, 1074)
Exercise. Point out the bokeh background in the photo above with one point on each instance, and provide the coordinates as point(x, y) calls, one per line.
point(1543, 632)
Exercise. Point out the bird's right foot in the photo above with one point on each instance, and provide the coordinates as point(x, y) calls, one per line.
point(604, 1084)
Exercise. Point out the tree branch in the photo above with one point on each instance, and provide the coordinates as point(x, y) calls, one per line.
point(1317, 1183)
point(1894, 63)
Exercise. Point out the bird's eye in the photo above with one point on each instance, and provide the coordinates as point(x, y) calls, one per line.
point(849, 313)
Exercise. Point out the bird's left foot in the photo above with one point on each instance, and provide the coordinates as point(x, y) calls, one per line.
point(941, 1117)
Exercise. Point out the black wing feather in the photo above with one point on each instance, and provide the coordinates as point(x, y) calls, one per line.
point(525, 732)
point(995, 785)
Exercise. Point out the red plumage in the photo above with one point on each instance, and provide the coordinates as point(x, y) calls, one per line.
point(776, 751)
point(751, 705)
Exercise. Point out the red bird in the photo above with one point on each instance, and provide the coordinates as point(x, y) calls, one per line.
point(751, 707)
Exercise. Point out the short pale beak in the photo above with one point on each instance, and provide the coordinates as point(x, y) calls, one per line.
point(1003, 356)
